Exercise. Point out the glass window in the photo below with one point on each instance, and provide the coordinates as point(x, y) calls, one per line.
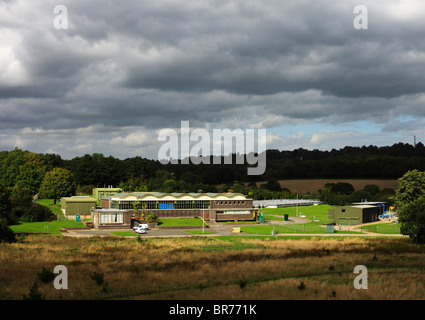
point(111, 218)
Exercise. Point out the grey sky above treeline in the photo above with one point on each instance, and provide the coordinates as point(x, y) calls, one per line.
point(124, 70)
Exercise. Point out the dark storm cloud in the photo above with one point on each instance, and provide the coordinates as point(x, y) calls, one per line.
point(274, 48)
point(124, 66)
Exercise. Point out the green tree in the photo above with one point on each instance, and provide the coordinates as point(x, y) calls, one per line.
point(6, 234)
point(10, 163)
point(359, 195)
point(5, 205)
point(342, 188)
point(410, 202)
point(412, 220)
point(21, 196)
point(32, 172)
point(272, 185)
point(372, 189)
point(57, 183)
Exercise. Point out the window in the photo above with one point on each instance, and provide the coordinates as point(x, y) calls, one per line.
point(111, 218)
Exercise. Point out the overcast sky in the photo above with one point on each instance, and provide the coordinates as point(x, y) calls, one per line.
point(124, 70)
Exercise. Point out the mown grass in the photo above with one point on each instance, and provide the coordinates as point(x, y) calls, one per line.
point(51, 227)
point(319, 213)
point(215, 268)
point(318, 216)
point(384, 228)
point(125, 233)
point(290, 228)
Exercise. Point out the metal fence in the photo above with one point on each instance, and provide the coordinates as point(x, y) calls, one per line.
point(279, 203)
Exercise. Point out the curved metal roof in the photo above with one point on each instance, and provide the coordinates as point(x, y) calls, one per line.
point(177, 196)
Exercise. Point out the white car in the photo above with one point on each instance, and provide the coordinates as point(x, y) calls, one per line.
point(144, 226)
point(139, 229)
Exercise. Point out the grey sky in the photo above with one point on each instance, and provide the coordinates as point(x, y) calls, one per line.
point(122, 71)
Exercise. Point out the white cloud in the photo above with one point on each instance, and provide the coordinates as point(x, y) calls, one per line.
point(134, 139)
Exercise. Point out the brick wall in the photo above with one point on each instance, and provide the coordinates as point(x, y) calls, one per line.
point(232, 217)
point(104, 203)
point(232, 204)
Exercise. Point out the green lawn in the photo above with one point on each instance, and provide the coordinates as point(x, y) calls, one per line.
point(384, 228)
point(319, 212)
point(180, 222)
point(45, 226)
point(312, 228)
point(51, 227)
point(125, 233)
point(318, 215)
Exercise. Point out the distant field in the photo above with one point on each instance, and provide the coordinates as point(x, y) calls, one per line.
point(302, 186)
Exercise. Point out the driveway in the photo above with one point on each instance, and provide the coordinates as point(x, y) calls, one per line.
point(214, 229)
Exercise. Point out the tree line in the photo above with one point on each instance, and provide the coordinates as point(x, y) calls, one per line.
point(24, 174)
point(27, 170)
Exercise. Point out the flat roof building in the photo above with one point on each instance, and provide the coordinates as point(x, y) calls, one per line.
point(210, 206)
point(99, 193)
point(71, 206)
point(355, 214)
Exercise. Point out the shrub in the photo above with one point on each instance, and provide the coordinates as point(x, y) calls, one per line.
point(34, 293)
point(36, 213)
point(6, 234)
point(152, 218)
point(97, 277)
point(242, 283)
point(45, 275)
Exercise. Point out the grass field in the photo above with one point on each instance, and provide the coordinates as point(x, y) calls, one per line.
point(384, 228)
point(125, 233)
point(214, 268)
point(51, 227)
point(318, 215)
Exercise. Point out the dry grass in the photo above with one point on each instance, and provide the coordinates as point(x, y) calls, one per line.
point(183, 269)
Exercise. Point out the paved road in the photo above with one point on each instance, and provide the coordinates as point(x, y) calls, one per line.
point(215, 230)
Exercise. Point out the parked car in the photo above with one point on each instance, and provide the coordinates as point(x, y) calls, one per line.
point(141, 225)
point(139, 229)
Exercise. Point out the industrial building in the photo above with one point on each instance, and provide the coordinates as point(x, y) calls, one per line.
point(357, 213)
point(77, 205)
point(209, 206)
point(100, 193)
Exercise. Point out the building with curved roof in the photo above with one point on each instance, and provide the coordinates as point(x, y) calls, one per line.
point(210, 206)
